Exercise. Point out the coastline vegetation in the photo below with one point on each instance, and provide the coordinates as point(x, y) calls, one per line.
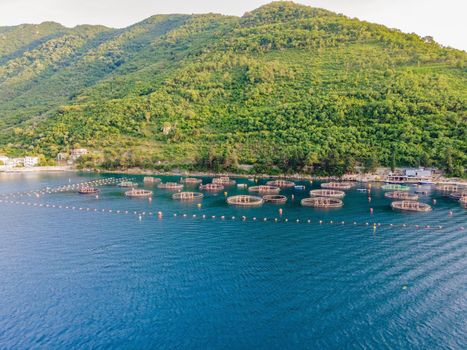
point(284, 88)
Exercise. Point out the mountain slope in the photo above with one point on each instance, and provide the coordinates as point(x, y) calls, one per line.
point(284, 86)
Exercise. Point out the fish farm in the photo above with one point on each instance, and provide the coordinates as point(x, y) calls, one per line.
point(327, 193)
point(264, 189)
point(338, 185)
point(212, 187)
point(281, 183)
point(245, 201)
point(275, 198)
point(170, 186)
point(411, 206)
point(138, 193)
point(401, 195)
point(187, 196)
point(322, 202)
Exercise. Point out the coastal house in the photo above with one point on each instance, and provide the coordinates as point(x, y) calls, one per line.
point(15, 162)
point(29, 162)
point(78, 153)
point(423, 173)
point(4, 160)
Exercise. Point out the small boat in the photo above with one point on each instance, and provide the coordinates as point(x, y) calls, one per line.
point(88, 190)
point(362, 190)
point(426, 182)
point(300, 187)
point(242, 185)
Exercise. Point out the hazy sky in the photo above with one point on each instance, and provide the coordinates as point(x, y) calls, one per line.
point(445, 20)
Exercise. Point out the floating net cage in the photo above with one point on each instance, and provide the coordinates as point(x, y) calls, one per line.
point(458, 195)
point(187, 196)
point(245, 201)
point(337, 185)
point(393, 187)
point(264, 189)
point(322, 202)
point(190, 181)
point(223, 180)
point(212, 187)
point(411, 206)
point(127, 184)
point(275, 198)
point(448, 188)
point(281, 183)
point(401, 195)
point(151, 180)
point(422, 192)
point(170, 186)
point(327, 193)
point(88, 190)
point(134, 193)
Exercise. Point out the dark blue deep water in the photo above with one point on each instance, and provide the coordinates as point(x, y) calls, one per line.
point(74, 279)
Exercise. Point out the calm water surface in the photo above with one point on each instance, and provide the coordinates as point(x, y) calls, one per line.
point(74, 279)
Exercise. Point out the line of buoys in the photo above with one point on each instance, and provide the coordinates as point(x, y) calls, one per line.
point(66, 188)
point(142, 214)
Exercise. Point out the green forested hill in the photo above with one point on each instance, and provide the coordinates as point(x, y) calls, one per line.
point(283, 87)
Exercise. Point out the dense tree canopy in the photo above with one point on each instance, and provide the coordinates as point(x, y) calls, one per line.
point(285, 87)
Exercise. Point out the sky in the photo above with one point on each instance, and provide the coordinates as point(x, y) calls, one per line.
point(443, 19)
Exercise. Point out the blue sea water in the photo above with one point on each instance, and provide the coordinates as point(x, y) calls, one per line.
point(73, 279)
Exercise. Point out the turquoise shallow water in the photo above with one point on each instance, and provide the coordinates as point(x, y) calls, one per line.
point(77, 279)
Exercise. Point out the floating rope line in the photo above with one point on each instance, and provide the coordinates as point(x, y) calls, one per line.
point(68, 188)
point(204, 217)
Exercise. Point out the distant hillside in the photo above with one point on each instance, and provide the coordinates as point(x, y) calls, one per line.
point(283, 87)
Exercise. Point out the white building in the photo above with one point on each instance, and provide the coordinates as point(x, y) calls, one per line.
point(78, 152)
point(15, 162)
point(30, 161)
point(4, 160)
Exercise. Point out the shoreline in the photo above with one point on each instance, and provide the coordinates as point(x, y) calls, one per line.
point(41, 169)
point(369, 178)
point(364, 178)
